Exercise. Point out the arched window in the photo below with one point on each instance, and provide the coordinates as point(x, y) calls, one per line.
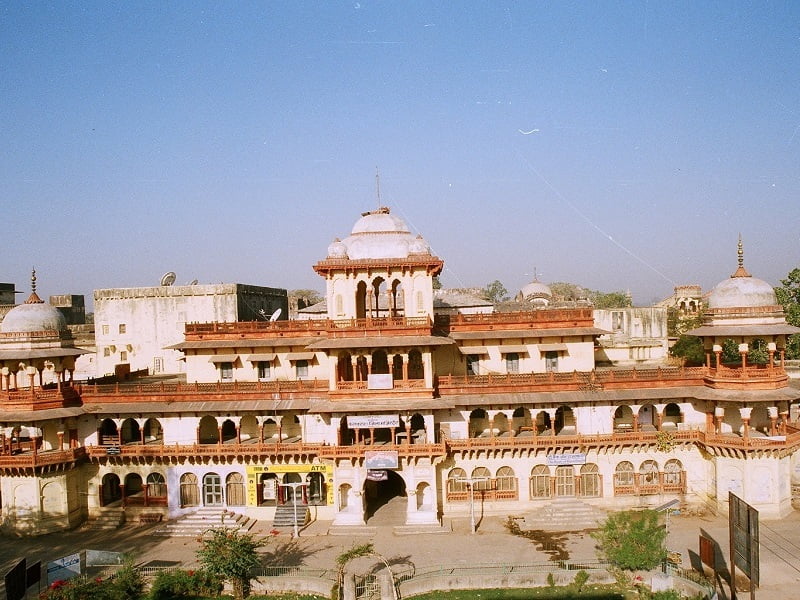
point(624, 478)
point(648, 473)
point(416, 370)
point(130, 431)
point(482, 479)
point(190, 493)
point(339, 303)
point(380, 362)
point(478, 423)
point(156, 486)
point(506, 482)
point(540, 482)
point(673, 475)
point(456, 483)
point(234, 489)
point(590, 481)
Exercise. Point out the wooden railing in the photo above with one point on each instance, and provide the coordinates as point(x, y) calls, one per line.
point(300, 326)
point(554, 315)
point(576, 380)
point(402, 384)
point(226, 449)
point(40, 459)
point(193, 389)
point(39, 398)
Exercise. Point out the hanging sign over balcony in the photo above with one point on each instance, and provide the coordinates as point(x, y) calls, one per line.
point(381, 459)
point(380, 381)
point(557, 460)
point(372, 421)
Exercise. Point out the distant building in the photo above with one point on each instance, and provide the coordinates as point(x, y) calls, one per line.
point(135, 326)
point(72, 306)
point(638, 335)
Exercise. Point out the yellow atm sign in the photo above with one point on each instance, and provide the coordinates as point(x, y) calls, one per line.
point(255, 471)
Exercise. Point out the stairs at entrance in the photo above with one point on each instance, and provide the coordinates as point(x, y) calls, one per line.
point(108, 518)
point(284, 516)
point(200, 521)
point(564, 514)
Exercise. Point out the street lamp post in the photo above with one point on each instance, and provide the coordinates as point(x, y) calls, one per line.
point(471, 481)
point(294, 486)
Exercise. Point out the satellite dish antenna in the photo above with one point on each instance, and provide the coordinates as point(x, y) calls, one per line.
point(193, 282)
point(275, 315)
point(168, 278)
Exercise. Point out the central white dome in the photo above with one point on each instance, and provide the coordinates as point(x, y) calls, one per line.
point(742, 292)
point(379, 235)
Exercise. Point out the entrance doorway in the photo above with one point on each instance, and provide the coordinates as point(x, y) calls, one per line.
point(565, 481)
point(212, 490)
point(385, 495)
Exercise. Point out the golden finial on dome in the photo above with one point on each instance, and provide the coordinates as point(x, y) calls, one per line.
point(740, 270)
point(33, 298)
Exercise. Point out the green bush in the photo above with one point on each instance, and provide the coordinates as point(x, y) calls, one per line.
point(581, 577)
point(182, 585)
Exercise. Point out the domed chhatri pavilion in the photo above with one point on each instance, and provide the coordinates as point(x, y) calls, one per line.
point(385, 399)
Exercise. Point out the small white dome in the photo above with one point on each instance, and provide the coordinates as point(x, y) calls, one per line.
point(337, 249)
point(536, 289)
point(32, 316)
point(419, 246)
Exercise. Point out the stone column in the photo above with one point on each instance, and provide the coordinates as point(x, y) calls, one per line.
point(719, 416)
point(773, 419)
point(745, 413)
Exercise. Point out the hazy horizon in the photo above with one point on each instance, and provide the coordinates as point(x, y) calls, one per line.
point(618, 146)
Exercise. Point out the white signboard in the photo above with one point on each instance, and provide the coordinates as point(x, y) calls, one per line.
point(566, 459)
point(372, 421)
point(64, 568)
point(380, 381)
point(381, 459)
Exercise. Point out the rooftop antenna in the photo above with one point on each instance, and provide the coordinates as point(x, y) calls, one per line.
point(378, 186)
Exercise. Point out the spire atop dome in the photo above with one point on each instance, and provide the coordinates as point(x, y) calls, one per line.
point(33, 298)
point(740, 271)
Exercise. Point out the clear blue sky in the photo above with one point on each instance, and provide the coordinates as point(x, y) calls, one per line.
point(614, 145)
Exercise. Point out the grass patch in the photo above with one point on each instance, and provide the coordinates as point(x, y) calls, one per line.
point(593, 592)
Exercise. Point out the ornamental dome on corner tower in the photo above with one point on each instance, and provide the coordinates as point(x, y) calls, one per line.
point(742, 290)
point(33, 316)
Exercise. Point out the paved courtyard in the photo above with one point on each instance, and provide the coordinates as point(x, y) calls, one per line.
point(780, 546)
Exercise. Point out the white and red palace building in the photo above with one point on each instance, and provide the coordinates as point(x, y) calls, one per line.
point(384, 397)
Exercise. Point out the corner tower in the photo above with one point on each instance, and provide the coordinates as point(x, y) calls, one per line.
point(380, 270)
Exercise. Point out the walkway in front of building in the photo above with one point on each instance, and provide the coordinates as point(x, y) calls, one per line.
point(492, 544)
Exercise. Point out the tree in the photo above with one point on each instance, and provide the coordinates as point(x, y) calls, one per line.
point(610, 299)
point(633, 540)
point(495, 292)
point(690, 349)
point(789, 297)
point(566, 292)
point(230, 555)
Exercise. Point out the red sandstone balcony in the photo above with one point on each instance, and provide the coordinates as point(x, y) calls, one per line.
point(557, 318)
point(752, 377)
point(38, 398)
point(186, 392)
point(32, 460)
point(402, 449)
point(612, 379)
point(583, 442)
point(323, 328)
point(254, 449)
